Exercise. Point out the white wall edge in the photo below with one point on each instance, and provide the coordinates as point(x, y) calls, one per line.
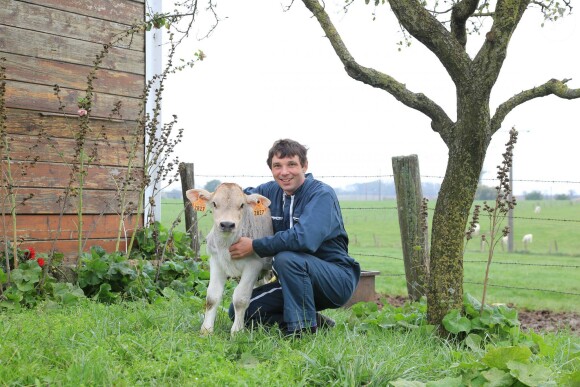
point(153, 65)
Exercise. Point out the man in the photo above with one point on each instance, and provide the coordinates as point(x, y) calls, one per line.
point(309, 246)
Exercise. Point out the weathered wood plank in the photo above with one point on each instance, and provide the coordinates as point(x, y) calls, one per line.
point(54, 175)
point(49, 201)
point(46, 46)
point(50, 227)
point(26, 148)
point(409, 200)
point(66, 24)
point(42, 98)
point(126, 12)
point(30, 123)
point(73, 76)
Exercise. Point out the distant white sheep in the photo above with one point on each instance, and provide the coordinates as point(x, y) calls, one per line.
point(527, 239)
point(504, 242)
point(537, 210)
point(475, 230)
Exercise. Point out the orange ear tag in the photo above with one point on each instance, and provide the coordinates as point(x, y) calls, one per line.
point(199, 205)
point(259, 208)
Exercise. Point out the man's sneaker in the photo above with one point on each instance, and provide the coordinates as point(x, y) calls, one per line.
point(324, 322)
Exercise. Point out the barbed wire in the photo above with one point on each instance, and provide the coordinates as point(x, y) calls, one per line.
point(474, 261)
point(521, 288)
point(479, 283)
point(377, 256)
point(430, 209)
point(495, 262)
point(381, 176)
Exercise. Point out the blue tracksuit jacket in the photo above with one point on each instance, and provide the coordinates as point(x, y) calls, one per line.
point(315, 226)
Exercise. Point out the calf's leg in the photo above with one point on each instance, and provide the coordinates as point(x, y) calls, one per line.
point(242, 295)
point(215, 290)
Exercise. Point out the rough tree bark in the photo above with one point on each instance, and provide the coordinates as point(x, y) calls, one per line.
point(469, 136)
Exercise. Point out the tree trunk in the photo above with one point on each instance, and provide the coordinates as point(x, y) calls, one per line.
point(452, 211)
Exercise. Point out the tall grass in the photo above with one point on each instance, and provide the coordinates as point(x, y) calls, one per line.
point(159, 344)
point(552, 261)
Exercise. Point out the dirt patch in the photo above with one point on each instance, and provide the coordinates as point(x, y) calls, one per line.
point(538, 320)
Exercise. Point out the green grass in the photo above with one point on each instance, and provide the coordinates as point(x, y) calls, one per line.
point(137, 343)
point(551, 264)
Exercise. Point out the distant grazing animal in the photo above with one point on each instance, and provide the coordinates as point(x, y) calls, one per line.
point(504, 242)
point(527, 239)
point(235, 214)
point(476, 229)
point(537, 210)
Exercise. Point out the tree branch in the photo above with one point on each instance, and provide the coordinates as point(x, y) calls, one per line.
point(552, 87)
point(459, 15)
point(489, 60)
point(425, 27)
point(440, 122)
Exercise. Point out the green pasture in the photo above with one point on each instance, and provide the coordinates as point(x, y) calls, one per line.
point(158, 344)
point(546, 276)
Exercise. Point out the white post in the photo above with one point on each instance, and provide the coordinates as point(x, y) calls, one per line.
point(153, 66)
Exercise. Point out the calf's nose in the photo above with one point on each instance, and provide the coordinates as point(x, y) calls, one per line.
point(227, 226)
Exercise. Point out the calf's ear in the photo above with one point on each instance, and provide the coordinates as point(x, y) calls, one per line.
point(258, 203)
point(198, 198)
point(253, 199)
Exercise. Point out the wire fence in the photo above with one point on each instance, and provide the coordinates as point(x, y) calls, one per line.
point(572, 270)
point(387, 213)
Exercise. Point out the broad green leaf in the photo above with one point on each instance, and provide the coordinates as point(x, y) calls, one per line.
point(105, 294)
point(24, 286)
point(469, 300)
point(67, 293)
point(447, 382)
point(529, 374)
point(510, 315)
point(572, 379)
point(545, 349)
point(497, 378)
point(406, 383)
point(473, 342)
point(456, 323)
point(491, 317)
point(499, 357)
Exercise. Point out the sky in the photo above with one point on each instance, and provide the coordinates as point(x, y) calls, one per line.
point(271, 74)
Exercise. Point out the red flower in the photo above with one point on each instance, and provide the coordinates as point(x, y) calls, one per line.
point(30, 254)
point(40, 262)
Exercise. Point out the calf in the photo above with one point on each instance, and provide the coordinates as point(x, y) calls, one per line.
point(235, 214)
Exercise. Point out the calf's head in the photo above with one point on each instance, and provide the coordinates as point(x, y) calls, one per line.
point(229, 205)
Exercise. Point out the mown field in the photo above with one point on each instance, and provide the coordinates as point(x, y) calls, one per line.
point(546, 276)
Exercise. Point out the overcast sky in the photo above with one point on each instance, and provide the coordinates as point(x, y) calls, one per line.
point(271, 74)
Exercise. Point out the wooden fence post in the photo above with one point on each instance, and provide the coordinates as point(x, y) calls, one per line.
point(187, 182)
point(414, 236)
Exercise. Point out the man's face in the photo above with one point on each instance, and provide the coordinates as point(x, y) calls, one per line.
point(288, 173)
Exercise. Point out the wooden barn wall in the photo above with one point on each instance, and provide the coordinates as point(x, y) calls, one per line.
point(55, 42)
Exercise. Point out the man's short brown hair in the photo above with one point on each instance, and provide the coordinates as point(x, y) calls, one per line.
point(287, 148)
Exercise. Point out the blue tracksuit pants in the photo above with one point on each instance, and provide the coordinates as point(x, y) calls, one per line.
point(305, 284)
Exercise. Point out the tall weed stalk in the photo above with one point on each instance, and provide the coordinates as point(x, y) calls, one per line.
point(7, 180)
point(504, 203)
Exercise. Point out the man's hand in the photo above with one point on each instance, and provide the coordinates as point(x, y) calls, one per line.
point(241, 248)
